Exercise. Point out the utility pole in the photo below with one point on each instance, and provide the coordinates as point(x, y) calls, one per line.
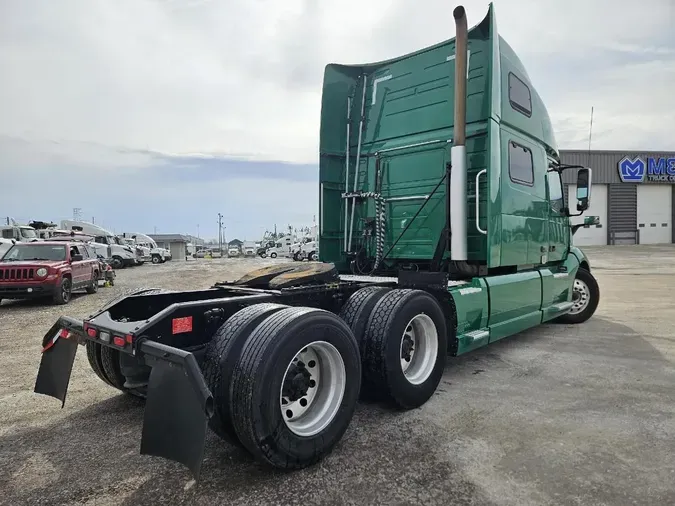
point(220, 233)
point(155, 230)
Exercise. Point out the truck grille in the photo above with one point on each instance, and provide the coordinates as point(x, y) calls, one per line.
point(16, 274)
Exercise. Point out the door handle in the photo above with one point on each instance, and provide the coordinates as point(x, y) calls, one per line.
point(552, 248)
point(542, 249)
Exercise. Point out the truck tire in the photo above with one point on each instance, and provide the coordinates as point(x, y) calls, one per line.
point(221, 355)
point(405, 347)
point(357, 309)
point(110, 360)
point(295, 387)
point(273, 255)
point(94, 357)
point(63, 291)
point(156, 259)
point(117, 262)
point(586, 296)
point(105, 362)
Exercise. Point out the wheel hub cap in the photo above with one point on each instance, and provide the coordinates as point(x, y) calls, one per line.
point(297, 382)
point(312, 388)
point(581, 296)
point(419, 349)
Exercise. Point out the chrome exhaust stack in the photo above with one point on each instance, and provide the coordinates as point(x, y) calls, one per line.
point(458, 176)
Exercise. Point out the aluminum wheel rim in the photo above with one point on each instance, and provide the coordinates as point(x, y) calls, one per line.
point(419, 349)
point(581, 296)
point(319, 372)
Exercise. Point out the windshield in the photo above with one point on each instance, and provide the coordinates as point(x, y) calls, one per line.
point(28, 233)
point(117, 240)
point(35, 251)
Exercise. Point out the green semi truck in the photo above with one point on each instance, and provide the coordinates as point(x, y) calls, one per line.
point(443, 228)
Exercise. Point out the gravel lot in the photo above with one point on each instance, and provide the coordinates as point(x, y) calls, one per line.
point(557, 415)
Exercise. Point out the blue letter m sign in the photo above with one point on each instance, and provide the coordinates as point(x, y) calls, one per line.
point(632, 171)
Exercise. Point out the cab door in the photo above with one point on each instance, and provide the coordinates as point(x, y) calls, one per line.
point(555, 284)
point(558, 231)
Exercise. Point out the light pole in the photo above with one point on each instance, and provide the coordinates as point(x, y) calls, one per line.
point(220, 233)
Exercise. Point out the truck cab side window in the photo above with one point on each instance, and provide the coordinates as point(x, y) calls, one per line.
point(555, 192)
point(521, 168)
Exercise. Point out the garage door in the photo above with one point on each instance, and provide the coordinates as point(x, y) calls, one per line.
point(654, 214)
point(595, 235)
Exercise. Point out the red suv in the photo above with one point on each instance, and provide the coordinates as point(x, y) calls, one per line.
point(48, 269)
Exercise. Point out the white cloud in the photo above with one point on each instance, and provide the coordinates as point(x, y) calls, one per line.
point(243, 77)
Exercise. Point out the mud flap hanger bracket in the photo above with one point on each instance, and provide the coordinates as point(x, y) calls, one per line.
point(178, 405)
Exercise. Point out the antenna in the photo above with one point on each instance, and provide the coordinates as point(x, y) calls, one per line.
point(590, 137)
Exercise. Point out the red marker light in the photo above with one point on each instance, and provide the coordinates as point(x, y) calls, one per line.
point(119, 341)
point(181, 325)
point(64, 333)
point(130, 338)
point(91, 331)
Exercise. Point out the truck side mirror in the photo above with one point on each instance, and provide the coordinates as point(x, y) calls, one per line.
point(583, 189)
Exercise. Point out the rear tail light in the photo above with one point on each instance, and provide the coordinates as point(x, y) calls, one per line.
point(119, 341)
point(91, 332)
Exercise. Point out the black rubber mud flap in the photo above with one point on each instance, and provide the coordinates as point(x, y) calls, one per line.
point(59, 347)
point(178, 407)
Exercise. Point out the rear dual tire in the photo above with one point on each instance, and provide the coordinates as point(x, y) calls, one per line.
point(222, 354)
point(402, 336)
point(105, 362)
point(295, 387)
point(286, 384)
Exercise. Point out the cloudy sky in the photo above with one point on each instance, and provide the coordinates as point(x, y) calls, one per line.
point(162, 113)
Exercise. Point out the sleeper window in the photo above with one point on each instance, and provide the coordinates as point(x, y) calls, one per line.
point(520, 96)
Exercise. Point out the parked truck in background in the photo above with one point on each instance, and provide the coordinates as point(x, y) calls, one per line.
point(142, 252)
point(442, 229)
point(249, 248)
point(17, 232)
point(157, 255)
point(121, 254)
point(282, 247)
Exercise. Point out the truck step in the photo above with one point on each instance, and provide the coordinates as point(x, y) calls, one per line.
point(478, 334)
point(561, 307)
